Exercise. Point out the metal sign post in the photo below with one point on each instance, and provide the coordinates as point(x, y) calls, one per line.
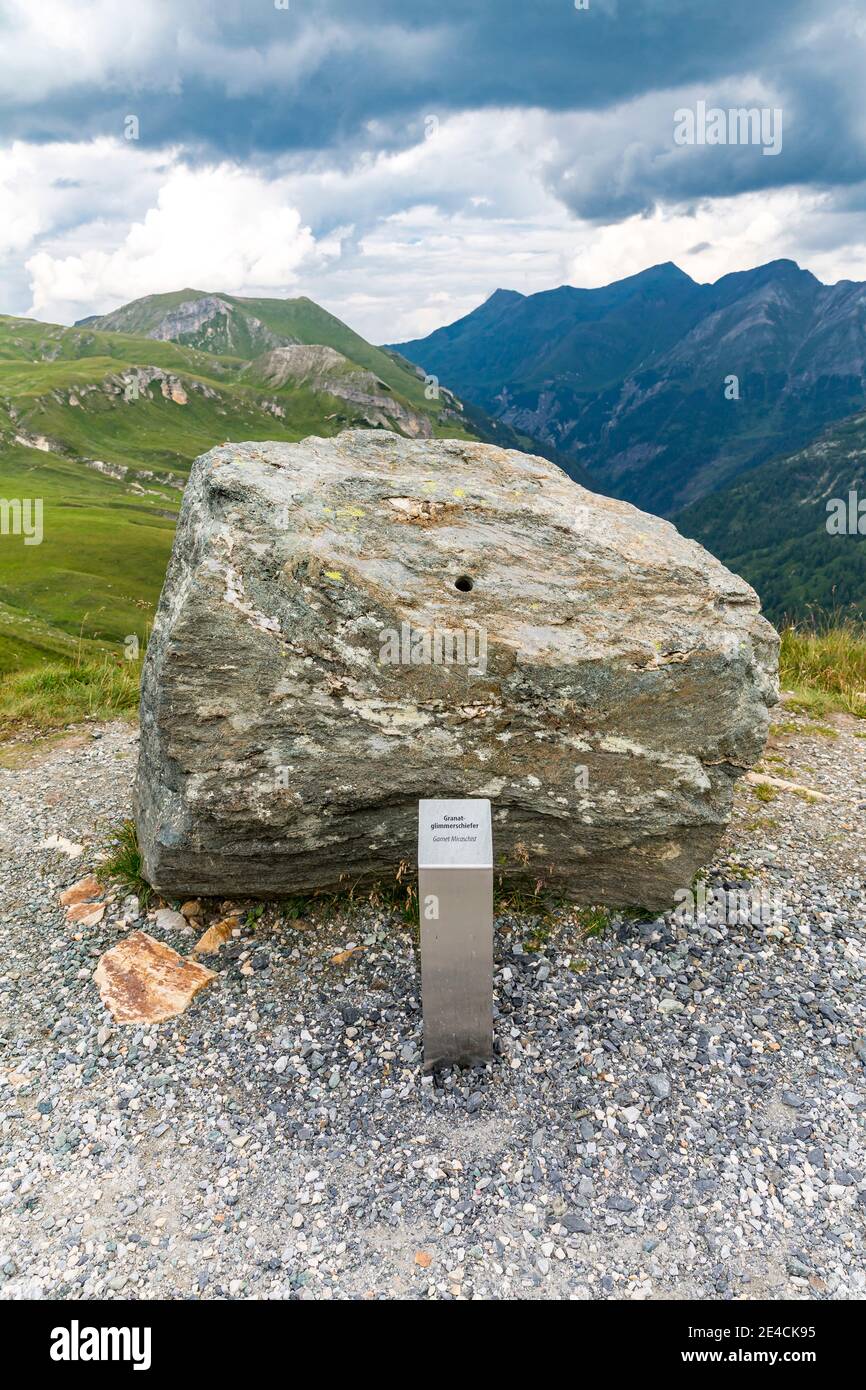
point(455, 900)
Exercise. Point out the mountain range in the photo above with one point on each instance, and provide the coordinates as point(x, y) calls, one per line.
point(101, 422)
point(632, 381)
point(719, 405)
point(738, 409)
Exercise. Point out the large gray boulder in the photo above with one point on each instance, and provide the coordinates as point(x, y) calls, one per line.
point(350, 624)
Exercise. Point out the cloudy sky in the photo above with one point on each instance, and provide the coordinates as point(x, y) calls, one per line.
point(397, 160)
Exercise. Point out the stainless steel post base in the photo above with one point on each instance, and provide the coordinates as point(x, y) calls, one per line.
point(455, 894)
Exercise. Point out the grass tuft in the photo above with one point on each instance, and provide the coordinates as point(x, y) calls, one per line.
point(122, 865)
point(58, 693)
point(593, 921)
point(824, 665)
point(764, 792)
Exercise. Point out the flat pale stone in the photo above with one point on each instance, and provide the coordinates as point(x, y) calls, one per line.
point(780, 784)
point(288, 731)
point(86, 914)
point(166, 919)
point(63, 846)
point(217, 935)
point(85, 890)
point(142, 980)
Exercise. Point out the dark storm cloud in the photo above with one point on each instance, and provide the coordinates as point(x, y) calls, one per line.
point(250, 81)
point(246, 78)
point(809, 82)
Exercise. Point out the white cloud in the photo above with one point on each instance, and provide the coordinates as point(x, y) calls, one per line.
point(212, 228)
point(55, 189)
point(58, 46)
point(722, 235)
point(395, 243)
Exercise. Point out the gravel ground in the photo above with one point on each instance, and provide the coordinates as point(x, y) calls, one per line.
point(674, 1113)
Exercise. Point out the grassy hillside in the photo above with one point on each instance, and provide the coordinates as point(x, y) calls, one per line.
point(103, 426)
point(248, 327)
point(103, 420)
point(98, 571)
point(45, 344)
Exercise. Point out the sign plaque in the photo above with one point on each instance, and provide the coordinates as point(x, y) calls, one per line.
point(455, 905)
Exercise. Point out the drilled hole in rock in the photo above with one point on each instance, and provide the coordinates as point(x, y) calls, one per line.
point(464, 584)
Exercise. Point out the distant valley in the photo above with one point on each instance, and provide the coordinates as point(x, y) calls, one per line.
point(771, 527)
point(698, 402)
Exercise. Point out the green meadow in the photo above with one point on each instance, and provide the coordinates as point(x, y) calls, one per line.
point(109, 469)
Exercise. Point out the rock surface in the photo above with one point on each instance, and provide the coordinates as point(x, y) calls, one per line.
point(141, 980)
point(324, 369)
point(614, 684)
